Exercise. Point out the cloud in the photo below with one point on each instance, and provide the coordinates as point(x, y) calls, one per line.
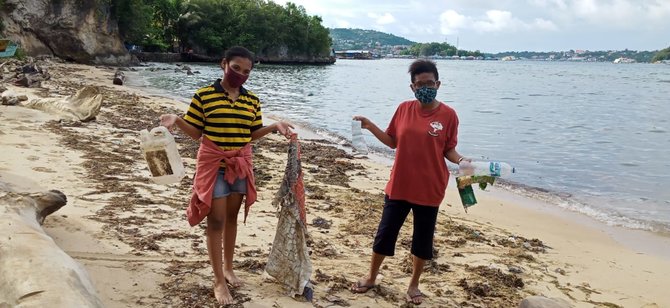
point(493, 21)
point(496, 21)
point(385, 19)
point(609, 14)
point(451, 21)
point(543, 24)
point(341, 23)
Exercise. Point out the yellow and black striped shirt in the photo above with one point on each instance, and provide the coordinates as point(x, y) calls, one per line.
point(229, 124)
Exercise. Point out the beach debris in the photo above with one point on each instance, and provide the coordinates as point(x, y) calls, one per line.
point(337, 301)
point(357, 140)
point(543, 302)
point(321, 223)
point(119, 78)
point(82, 106)
point(515, 269)
point(162, 155)
point(465, 190)
point(35, 271)
point(10, 98)
point(288, 261)
point(28, 74)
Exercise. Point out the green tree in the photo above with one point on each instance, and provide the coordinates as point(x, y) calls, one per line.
point(661, 55)
point(134, 19)
point(211, 26)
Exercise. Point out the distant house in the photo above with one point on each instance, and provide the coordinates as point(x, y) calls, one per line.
point(624, 60)
point(353, 54)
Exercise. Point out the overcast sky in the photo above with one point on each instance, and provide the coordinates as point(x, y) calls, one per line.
point(507, 25)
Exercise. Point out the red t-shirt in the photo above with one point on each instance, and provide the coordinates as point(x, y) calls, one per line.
point(419, 174)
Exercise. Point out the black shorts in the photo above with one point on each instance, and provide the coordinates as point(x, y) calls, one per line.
point(394, 215)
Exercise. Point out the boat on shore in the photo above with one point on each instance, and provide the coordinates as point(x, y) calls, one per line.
point(7, 48)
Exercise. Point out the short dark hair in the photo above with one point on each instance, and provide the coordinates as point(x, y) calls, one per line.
point(421, 66)
point(239, 51)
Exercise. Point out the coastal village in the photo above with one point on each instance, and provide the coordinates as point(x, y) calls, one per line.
point(368, 44)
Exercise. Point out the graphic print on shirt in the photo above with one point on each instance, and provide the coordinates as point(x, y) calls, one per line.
point(436, 126)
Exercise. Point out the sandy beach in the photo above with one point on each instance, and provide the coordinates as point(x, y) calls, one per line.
point(133, 238)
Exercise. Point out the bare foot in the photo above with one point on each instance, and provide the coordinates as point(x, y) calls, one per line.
point(232, 278)
point(222, 293)
point(414, 296)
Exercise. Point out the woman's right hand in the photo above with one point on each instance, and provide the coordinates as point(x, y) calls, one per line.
point(365, 122)
point(169, 121)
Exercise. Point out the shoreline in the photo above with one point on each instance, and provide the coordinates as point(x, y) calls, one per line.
point(606, 209)
point(531, 198)
point(131, 236)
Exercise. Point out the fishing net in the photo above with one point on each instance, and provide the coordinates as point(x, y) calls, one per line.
point(289, 261)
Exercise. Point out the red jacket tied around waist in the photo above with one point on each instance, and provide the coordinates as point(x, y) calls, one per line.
point(239, 164)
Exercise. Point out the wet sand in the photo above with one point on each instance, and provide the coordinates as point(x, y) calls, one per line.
point(133, 238)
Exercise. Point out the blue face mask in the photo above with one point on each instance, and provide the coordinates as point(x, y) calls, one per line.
point(425, 95)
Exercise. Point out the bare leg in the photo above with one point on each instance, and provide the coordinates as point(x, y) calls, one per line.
point(229, 237)
point(414, 295)
point(365, 284)
point(215, 221)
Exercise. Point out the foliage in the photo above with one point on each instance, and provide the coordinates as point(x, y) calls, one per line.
point(364, 39)
point(2, 24)
point(662, 55)
point(134, 18)
point(211, 26)
point(438, 49)
point(20, 54)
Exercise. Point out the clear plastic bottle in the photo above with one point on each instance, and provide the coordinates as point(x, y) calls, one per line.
point(491, 168)
point(162, 156)
point(357, 140)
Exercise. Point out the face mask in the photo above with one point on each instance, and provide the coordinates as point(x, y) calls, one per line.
point(425, 95)
point(234, 79)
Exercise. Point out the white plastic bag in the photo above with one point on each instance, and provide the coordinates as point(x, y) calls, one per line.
point(162, 156)
point(357, 140)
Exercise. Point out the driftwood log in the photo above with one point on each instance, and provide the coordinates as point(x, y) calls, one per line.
point(34, 271)
point(119, 78)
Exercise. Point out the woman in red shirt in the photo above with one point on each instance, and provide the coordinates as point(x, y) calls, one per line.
point(423, 133)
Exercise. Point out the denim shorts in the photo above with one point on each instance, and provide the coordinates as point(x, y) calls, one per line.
point(222, 188)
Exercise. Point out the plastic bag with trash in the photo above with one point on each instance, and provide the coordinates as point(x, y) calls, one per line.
point(357, 140)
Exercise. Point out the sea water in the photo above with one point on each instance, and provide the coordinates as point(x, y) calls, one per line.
point(590, 137)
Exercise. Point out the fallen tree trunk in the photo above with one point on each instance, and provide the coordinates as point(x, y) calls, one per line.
point(34, 271)
point(119, 78)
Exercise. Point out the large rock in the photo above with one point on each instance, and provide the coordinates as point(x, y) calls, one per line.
point(76, 30)
point(282, 54)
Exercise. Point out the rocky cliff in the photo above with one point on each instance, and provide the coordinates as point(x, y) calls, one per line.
point(77, 30)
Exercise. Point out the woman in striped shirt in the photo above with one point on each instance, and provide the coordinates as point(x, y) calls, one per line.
point(225, 117)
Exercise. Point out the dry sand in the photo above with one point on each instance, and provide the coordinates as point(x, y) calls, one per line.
point(133, 238)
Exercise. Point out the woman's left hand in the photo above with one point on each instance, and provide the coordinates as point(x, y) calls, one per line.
point(284, 128)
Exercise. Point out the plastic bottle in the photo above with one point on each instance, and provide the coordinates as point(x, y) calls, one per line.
point(357, 140)
point(491, 168)
point(162, 156)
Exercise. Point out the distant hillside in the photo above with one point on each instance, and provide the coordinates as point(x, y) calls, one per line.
point(364, 39)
